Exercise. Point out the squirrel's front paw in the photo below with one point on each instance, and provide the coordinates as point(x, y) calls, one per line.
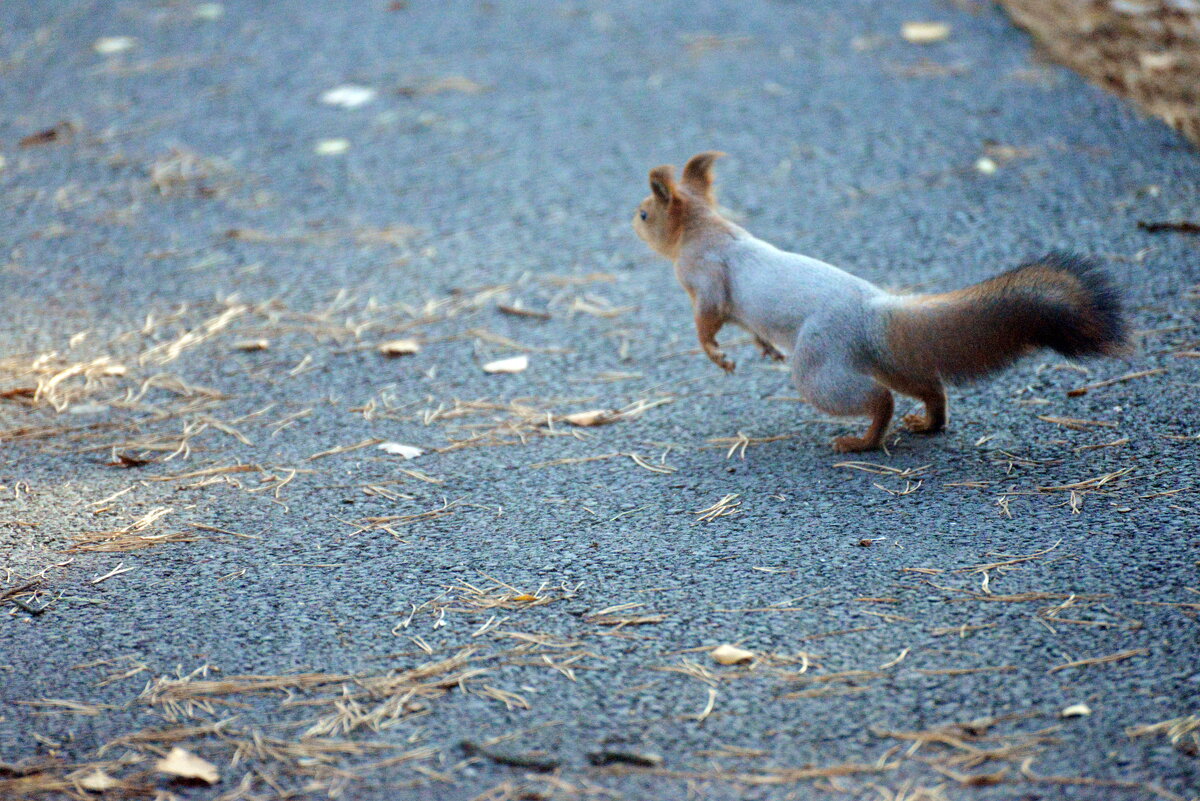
point(718, 358)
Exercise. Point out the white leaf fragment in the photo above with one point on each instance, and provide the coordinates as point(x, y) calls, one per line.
point(348, 96)
point(396, 449)
point(186, 765)
point(88, 408)
point(399, 347)
point(98, 781)
point(208, 12)
point(595, 417)
point(1076, 711)
point(925, 32)
point(108, 45)
point(331, 147)
point(514, 364)
point(730, 654)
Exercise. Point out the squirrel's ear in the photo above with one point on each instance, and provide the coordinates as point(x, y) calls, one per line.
point(662, 183)
point(698, 174)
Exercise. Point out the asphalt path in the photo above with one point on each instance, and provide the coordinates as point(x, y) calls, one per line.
point(211, 254)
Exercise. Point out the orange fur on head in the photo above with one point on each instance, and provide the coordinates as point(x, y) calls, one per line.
point(661, 219)
point(698, 175)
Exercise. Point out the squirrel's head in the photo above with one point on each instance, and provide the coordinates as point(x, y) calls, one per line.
point(663, 217)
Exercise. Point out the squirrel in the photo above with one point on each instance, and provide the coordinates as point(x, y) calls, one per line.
point(851, 344)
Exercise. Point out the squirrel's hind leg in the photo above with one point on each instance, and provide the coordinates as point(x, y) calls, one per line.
point(829, 382)
point(880, 408)
point(934, 419)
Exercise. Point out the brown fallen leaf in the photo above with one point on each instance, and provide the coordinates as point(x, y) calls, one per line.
point(637, 758)
point(399, 347)
point(1074, 423)
point(925, 32)
point(1086, 388)
point(44, 137)
point(1177, 226)
point(186, 765)
point(516, 310)
point(730, 654)
point(126, 461)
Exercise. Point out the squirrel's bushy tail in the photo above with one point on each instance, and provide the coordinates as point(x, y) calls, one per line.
point(1062, 302)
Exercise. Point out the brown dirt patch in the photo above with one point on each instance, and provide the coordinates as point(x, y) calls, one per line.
point(1145, 50)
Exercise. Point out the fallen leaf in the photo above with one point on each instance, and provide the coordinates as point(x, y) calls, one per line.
point(98, 781)
point(450, 83)
point(88, 408)
point(331, 147)
point(46, 136)
point(596, 417)
point(514, 364)
point(186, 765)
point(400, 347)
point(1158, 61)
point(208, 11)
point(396, 449)
point(126, 461)
point(638, 758)
point(1179, 226)
point(986, 166)
point(108, 45)
point(515, 310)
point(388, 235)
point(1075, 711)
point(252, 344)
point(348, 96)
point(524, 597)
point(731, 654)
point(925, 32)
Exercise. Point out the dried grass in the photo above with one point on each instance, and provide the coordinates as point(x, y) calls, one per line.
point(1148, 52)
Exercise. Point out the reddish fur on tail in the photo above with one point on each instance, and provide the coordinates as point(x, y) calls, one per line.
point(1060, 301)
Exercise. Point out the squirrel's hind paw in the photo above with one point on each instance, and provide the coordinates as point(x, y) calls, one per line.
point(853, 444)
point(768, 350)
point(920, 424)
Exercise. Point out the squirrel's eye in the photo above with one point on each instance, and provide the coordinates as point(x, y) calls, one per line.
point(643, 213)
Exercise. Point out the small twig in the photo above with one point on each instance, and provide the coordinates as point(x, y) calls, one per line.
point(116, 571)
point(530, 761)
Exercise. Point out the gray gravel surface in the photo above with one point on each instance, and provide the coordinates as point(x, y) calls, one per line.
point(182, 202)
